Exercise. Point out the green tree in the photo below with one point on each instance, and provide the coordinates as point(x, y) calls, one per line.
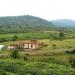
point(15, 54)
point(61, 35)
point(15, 38)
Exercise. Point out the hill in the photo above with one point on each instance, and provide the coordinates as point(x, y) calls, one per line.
point(64, 23)
point(18, 24)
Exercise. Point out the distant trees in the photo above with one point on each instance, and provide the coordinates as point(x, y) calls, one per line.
point(59, 36)
point(23, 24)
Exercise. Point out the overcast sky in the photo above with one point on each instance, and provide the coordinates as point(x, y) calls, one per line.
point(47, 9)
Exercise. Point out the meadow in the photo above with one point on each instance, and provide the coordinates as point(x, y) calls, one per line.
point(54, 59)
point(61, 46)
point(22, 36)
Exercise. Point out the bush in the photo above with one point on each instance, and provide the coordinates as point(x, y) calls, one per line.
point(25, 58)
point(72, 61)
point(54, 46)
point(15, 54)
point(34, 68)
point(71, 52)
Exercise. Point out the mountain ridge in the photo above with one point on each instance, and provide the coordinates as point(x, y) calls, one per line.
point(24, 23)
point(64, 22)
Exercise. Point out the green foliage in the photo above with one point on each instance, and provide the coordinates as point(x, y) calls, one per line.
point(23, 36)
point(15, 54)
point(34, 68)
point(21, 24)
point(71, 52)
point(14, 38)
point(2, 40)
point(54, 46)
point(72, 61)
point(61, 35)
point(25, 57)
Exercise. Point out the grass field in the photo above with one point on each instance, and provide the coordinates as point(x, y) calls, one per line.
point(26, 35)
point(57, 52)
point(47, 59)
point(60, 44)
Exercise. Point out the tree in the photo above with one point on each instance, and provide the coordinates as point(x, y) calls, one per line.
point(61, 35)
point(14, 38)
point(15, 54)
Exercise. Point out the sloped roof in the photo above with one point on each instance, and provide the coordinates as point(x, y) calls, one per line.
point(27, 42)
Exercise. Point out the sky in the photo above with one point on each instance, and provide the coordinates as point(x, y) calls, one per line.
point(46, 9)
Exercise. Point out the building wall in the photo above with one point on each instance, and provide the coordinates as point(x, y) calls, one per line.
point(30, 46)
point(33, 46)
point(11, 47)
point(25, 46)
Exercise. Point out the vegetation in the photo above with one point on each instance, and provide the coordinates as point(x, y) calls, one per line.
point(14, 38)
point(16, 67)
point(72, 61)
point(14, 54)
point(26, 23)
point(46, 61)
point(55, 57)
point(21, 24)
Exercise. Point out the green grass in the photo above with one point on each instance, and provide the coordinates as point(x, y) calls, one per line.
point(61, 47)
point(26, 35)
point(57, 53)
point(39, 60)
point(60, 44)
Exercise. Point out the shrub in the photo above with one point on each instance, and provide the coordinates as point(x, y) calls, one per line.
point(71, 52)
point(72, 61)
point(54, 46)
point(25, 58)
point(14, 54)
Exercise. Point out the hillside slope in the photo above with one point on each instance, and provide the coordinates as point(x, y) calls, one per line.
point(64, 23)
point(26, 23)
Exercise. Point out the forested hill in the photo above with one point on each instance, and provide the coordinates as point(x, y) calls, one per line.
point(17, 24)
point(64, 23)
